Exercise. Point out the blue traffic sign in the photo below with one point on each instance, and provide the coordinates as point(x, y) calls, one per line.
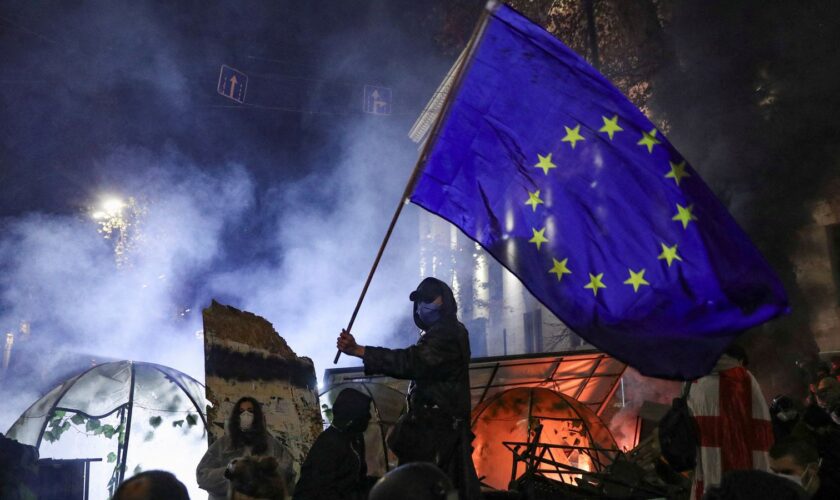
point(232, 84)
point(377, 100)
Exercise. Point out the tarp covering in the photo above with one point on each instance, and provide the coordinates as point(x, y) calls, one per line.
point(128, 414)
point(590, 377)
point(99, 391)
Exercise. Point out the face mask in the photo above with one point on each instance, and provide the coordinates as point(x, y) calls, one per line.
point(787, 416)
point(429, 313)
point(246, 420)
point(791, 477)
point(810, 480)
point(358, 425)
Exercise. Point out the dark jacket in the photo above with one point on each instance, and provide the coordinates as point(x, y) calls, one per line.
point(438, 366)
point(335, 468)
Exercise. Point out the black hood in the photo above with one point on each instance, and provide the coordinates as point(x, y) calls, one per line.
point(427, 291)
point(350, 406)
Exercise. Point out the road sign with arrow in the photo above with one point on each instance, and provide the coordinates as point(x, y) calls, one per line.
point(377, 100)
point(232, 84)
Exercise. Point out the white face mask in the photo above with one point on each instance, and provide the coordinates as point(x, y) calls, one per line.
point(808, 480)
point(787, 416)
point(792, 477)
point(246, 420)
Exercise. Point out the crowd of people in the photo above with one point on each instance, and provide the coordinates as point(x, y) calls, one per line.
point(739, 445)
point(721, 437)
point(744, 448)
point(431, 441)
point(736, 446)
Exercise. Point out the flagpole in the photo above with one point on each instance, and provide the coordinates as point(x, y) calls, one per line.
point(421, 159)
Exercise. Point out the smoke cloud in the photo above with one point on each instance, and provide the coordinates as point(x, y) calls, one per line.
point(277, 206)
point(749, 93)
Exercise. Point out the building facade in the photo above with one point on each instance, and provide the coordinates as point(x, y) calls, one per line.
point(500, 313)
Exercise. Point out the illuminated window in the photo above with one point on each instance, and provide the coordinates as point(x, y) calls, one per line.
point(533, 331)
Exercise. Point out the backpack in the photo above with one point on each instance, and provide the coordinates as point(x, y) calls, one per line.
point(679, 437)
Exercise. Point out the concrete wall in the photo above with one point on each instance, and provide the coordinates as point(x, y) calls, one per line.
point(244, 356)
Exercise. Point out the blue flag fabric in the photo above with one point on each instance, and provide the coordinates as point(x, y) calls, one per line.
point(569, 186)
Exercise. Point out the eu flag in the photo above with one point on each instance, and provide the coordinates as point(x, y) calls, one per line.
point(553, 171)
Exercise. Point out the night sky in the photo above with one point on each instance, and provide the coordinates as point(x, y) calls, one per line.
point(81, 79)
point(278, 205)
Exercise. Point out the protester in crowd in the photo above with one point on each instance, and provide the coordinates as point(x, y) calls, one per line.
point(819, 428)
point(436, 428)
point(414, 481)
point(755, 484)
point(255, 478)
point(828, 397)
point(784, 414)
point(245, 435)
point(835, 366)
point(152, 485)
point(18, 469)
point(799, 461)
point(823, 370)
point(732, 419)
point(335, 468)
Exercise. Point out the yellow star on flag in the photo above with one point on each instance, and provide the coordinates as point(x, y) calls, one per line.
point(534, 199)
point(677, 171)
point(545, 163)
point(560, 268)
point(538, 238)
point(649, 139)
point(636, 279)
point(669, 254)
point(573, 135)
point(684, 215)
point(610, 126)
point(595, 283)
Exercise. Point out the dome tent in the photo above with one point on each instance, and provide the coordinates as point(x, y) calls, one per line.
point(388, 405)
point(124, 412)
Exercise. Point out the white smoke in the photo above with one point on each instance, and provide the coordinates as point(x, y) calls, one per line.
point(61, 274)
point(328, 229)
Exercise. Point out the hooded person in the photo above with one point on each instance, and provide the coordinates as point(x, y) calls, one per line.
point(335, 468)
point(784, 415)
point(436, 428)
point(245, 435)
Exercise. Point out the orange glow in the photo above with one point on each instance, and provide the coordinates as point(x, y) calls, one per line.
point(565, 422)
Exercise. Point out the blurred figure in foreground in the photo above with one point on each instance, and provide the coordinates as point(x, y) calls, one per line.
point(152, 485)
point(18, 469)
point(753, 484)
point(414, 481)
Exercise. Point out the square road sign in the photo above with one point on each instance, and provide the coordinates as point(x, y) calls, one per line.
point(232, 84)
point(377, 100)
